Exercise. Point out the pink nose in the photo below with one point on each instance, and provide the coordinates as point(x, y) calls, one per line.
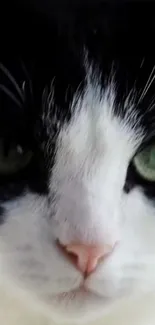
point(88, 257)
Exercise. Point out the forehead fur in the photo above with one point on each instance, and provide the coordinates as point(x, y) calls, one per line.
point(96, 121)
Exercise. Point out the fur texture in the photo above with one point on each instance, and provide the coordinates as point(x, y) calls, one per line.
point(77, 91)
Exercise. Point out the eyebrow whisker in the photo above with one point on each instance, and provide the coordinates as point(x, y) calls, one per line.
point(13, 81)
point(10, 95)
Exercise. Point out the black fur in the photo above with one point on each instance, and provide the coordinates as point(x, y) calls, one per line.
point(43, 41)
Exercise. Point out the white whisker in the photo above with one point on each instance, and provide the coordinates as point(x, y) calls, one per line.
point(151, 107)
point(142, 63)
point(23, 86)
point(51, 94)
point(23, 89)
point(148, 85)
point(13, 81)
point(28, 77)
point(10, 95)
point(151, 103)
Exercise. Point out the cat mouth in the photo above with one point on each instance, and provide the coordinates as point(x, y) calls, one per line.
point(81, 291)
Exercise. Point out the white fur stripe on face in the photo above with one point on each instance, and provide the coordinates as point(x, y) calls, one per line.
point(93, 153)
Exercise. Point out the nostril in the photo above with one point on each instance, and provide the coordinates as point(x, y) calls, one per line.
point(86, 258)
point(70, 256)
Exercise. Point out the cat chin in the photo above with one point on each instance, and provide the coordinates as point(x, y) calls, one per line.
point(79, 305)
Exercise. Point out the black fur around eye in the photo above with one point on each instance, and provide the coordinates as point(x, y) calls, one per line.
point(14, 159)
point(135, 179)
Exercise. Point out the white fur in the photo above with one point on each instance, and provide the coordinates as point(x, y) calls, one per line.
point(87, 205)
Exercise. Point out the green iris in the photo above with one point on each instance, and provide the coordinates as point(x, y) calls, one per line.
point(145, 163)
point(15, 160)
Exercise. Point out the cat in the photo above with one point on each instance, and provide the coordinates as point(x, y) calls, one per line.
point(77, 154)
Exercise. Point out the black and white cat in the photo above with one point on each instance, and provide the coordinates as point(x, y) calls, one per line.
point(77, 155)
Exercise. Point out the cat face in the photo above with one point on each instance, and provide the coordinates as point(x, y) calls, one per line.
point(77, 167)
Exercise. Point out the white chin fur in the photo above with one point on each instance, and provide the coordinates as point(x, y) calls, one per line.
point(18, 309)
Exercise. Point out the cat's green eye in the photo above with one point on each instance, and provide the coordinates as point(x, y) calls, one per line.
point(145, 163)
point(14, 160)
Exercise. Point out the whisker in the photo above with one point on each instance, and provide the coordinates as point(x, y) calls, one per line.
point(148, 85)
point(151, 107)
point(12, 79)
point(10, 95)
point(28, 77)
point(23, 86)
point(142, 62)
point(151, 103)
point(50, 95)
point(24, 90)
